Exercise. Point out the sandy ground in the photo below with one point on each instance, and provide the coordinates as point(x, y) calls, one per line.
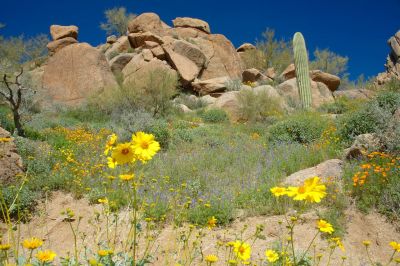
point(50, 226)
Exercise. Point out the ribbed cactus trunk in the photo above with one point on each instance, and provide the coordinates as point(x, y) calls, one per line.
point(302, 71)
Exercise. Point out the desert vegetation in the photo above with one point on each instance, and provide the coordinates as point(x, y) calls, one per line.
point(149, 173)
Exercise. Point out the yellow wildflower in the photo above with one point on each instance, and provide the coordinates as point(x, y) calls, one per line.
point(111, 162)
point(123, 153)
point(145, 146)
point(126, 177)
point(278, 191)
point(211, 258)
point(325, 227)
point(112, 139)
point(46, 256)
point(104, 252)
point(242, 250)
point(366, 243)
point(272, 255)
point(311, 190)
point(395, 246)
point(32, 243)
point(5, 246)
point(212, 222)
point(103, 201)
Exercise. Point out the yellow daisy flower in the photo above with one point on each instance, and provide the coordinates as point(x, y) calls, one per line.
point(126, 177)
point(395, 246)
point(242, 250)
point(278, 191)
point(212, 222)
point(123, 153)
point(272, 255)
point(325, 227)
point(145, 146)
point(32, 243)
point(211, 258)
point(112, 139)
point(46, 256)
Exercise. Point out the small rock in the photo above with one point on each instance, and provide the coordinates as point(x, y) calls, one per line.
point(245, 47)
point(210, 85)
point(363, 144)
point(111, 39)
point(57, 45)
point(191, 23)
point(58, 32)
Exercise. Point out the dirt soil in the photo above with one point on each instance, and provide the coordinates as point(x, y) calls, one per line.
point(56, 232)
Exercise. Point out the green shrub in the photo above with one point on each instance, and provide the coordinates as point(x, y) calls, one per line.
point(161, 132)
point(200, 214)
point(389, 101)
point(369, 119)
point(257, 106)
point(20, 206)
point(214, 116)
point(184, 135)
point(191, 101)
point(6, 120)
point(302, 128)
point(341, 105)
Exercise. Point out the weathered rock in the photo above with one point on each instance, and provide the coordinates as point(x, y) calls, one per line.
point(58, 32)
point(222, 58)
point(191, 23)
point(111, 39)
point(327, 171)
point(253, 75)
point(186, 33)
point(186, 68)
point(57, 45)
point(329, 80)
point(138, 72)
point(138, 39)
point(158, 52)
point(207, 99)
point(150, 44)
point(147, 54)
point(120, 61)
point(270, 72)
point(146, 22)
point(183, 108)
point(362, 145)
point(10, 162)
point(190, 51)
point(392, 65)
point(120, 46)
point(362, 94)
point(210, 85)
point(75, 73)
point(245, 47)
point(319, 92)
point(289, 72)
point(228, 102)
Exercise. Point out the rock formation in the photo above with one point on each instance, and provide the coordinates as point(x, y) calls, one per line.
point(392, 65)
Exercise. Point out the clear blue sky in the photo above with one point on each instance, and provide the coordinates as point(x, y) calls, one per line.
point(358, 29)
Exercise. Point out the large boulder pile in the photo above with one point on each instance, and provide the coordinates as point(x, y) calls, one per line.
point(392, 61)
point(189, 47)
point(10, 162)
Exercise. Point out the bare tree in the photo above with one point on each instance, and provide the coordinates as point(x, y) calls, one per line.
point(12, 92)
point(117, 21)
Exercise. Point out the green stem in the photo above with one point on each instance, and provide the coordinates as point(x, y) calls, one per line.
point(369, 257)
point(134, 224)
point(312, 241)
point(391, 258)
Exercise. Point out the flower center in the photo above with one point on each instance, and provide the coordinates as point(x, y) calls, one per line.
point(125, 151)
point(144, 145)
point(302, 190)
point(242, 249)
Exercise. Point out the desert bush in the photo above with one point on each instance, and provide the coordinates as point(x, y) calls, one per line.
point(214, 116)
point(21, 207)
point(234, 85)
point(153, 93)
point(117, 21)
point(254, 59)
point(302, 128)
point(160, 130)
point(6, 120)
point(329, 62)
point(190, 101)
point(389, 101)
point(371, 118)
point(341, 105)
point(258, 106)
point(221, 210)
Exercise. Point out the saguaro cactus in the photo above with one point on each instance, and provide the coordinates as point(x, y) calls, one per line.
point(302, 72)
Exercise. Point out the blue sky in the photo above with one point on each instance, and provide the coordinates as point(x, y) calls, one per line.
point(358, 29)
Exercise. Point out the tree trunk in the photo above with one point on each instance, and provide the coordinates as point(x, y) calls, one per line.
point(17, 123)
